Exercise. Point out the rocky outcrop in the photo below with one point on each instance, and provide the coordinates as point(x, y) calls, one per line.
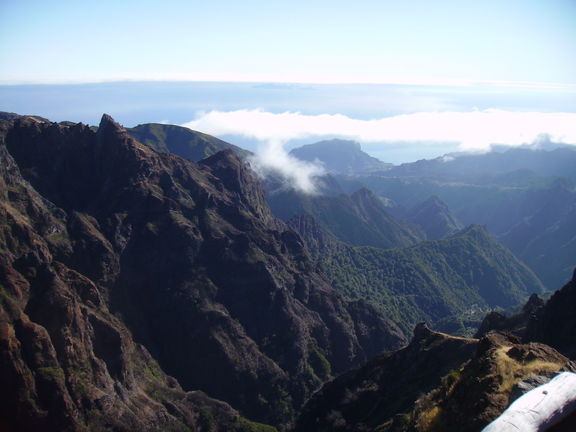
point(434, 218)
point(555, 323)
point(476, 393)
point(516, 323)
point(66, 362)
point(385, 389)
point(467, 383)
point(359, 219)
point(551, 322)
point(120, 264)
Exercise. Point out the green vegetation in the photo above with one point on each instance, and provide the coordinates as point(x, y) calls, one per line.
point(58, 239)
point(359, 219)
point(206, 420)
point(245, 425)
point(449, 283)
point(320, 365)
point(51, 373)
point(189, 144)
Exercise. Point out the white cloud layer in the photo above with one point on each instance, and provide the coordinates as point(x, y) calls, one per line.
point(475, 130)
point(472, 131)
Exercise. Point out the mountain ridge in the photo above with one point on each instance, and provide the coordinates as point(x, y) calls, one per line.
point(145, 235)
point(143, 291)
point(431, 281)
point(179, 140)
point(359, 218)
point(339, 156)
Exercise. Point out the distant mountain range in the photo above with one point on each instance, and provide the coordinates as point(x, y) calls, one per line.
point(531, 210)
point(340, 156)
point(150, 280)
point(494, 166)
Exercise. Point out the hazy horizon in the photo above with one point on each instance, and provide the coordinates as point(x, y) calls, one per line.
point(396, 123)
point(409, 80)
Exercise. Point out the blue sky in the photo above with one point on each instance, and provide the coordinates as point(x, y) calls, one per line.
point(409, 79)
point(318, 41)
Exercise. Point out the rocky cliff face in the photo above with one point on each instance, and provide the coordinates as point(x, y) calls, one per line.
point(437, 383)
point(120, 264)
point(555, 323)
point(434, 218)
point(552, 322)
point(469, 398)
point(466, 391)
point(359, 219)
point(66, 362)
point(385, 390)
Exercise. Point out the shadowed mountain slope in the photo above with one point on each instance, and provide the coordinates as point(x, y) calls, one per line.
point(552, 322)
point(111, 251)
point(359, 219)
point(434, 218)
point(546, 239)
point(386, 387)
point(437, 383)
point(181, 141)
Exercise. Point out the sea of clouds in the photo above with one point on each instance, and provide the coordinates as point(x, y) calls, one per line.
point(476, 131)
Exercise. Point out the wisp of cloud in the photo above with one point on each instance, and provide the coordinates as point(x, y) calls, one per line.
point(297, 174)
point(272, 132)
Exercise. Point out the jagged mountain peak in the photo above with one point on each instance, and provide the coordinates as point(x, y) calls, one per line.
point(434, 218)
point(435, 201)
point(552, 322)
point(199, 273)
point(106, 120)
point(391, 382)
point(555, 322)
point(113, 134)
point(363, 193)
point(421, 331)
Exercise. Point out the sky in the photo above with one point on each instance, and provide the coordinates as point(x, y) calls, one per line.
point(311, 41)
point(408, 79)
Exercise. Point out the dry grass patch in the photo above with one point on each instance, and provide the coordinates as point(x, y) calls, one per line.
point(512, 371)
